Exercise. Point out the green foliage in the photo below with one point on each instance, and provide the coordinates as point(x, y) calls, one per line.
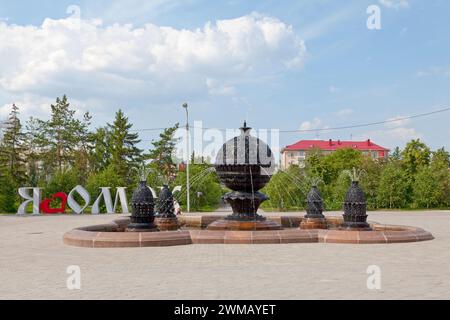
point(106, 178)
point(8, 194)
point(415, 156)
point(426, 188)
point(287, 190)
point(162, 154)
point(123, 146)
point(61, 152)
point(205, 190)
point(12, 149)
point(62, 181)
point(393, 188)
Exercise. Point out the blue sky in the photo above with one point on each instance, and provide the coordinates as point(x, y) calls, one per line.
point(288, 65)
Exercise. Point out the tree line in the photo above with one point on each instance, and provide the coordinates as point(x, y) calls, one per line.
point(412, 178)
point(62, 151)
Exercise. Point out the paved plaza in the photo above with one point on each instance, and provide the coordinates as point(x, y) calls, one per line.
point(34, 260)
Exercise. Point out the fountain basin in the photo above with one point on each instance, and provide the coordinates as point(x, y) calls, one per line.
point(193, 232)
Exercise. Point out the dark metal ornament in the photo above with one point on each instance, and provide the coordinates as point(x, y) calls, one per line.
point(143, 214)
point(166, 207)
point(314, 209)
point(355, 209)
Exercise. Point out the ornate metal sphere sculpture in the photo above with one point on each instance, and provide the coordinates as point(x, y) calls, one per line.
point(245, 164)
point(143, 214)
point(355, 216)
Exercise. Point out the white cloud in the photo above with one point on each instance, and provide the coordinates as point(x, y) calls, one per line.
point(398, 121)
point(396, 133)
point(311, 125)
point(395, 4)
point(88, 60)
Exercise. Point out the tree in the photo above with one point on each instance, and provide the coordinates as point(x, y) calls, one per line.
point(12, 149)
point(162, 153)
point(59, 137)
point(123, 146)
point(205, 190)
point(287, 190)
point(415, 155)
point(371, 179)
point(393, 188)
point(106, 178)
point(8, 194)
point(440, 159)
point(426, 188)
point(342, 159)
point(100, 156)
point(396, 155)
point(314, 164)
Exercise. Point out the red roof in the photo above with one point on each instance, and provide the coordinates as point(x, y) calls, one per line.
point(331, 145)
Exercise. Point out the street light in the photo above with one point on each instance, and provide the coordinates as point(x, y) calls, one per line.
point(188, 187)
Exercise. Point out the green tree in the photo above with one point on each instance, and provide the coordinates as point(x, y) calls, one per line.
point(59, 137)
point(287, 190)
point(106, 178)
point(12, 149)
point(342, 159)
point(415, 155)
point(396, 155)
point(163, 152)
point(440, 159)
point(8, 194)
point(370, 180)
point(123, 146)
point(100, 156)
point(426, 188)
point(62, 181)
point(205, 190)
point(393, 188)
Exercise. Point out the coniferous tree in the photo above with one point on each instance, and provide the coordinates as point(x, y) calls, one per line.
point(123, 146)
point(61, 136)
point(162, 153)
point(12, 148)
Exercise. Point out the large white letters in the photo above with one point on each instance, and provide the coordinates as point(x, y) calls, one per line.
point(35, 199)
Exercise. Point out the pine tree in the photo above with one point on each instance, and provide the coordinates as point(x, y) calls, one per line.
point(123, 146)
point(100, 157)
point(162, 153)
point(12, 149)
point(61, 136)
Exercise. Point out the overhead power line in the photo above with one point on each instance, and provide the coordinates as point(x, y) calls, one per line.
point(329, 129)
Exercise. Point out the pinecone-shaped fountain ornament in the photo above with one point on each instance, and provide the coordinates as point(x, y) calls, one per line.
point(355, 217)
point(143, 204)
point(314, 218)
point(166, 220)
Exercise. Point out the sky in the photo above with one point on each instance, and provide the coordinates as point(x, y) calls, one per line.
point(289, 65)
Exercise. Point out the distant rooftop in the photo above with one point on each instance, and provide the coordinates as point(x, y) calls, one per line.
point(331, 145)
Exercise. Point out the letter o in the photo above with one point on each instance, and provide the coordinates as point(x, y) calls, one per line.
point(75, 206)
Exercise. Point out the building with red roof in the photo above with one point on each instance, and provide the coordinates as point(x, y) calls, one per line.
point(296, 153)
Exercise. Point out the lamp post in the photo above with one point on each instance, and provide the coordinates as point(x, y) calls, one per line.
point(188, 187)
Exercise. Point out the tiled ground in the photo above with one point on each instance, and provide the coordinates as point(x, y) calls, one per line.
point(33, 262)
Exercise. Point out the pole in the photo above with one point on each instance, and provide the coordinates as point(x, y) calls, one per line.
point(188, 186)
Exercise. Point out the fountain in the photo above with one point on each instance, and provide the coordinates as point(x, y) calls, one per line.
point(239, 166)
point(245, 165)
